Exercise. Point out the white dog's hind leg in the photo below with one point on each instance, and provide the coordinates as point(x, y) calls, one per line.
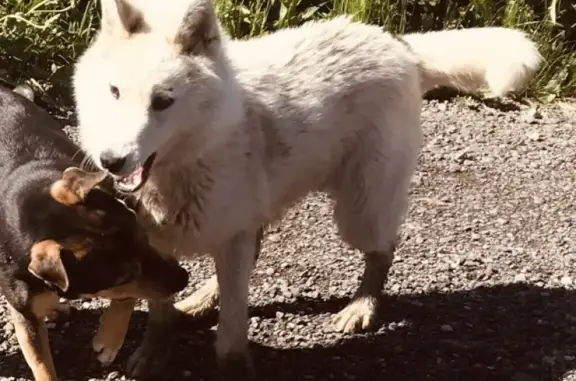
point(360, 313)
point(371, 200)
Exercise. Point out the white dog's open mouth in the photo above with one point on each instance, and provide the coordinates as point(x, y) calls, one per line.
point(134, 181)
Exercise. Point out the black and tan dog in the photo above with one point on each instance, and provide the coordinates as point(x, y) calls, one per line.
point(62, 234)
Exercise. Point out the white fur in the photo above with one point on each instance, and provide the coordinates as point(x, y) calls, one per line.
point(257, 125)
point(502, 59)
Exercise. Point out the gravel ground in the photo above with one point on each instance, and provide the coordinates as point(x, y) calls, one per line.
point(483, 286)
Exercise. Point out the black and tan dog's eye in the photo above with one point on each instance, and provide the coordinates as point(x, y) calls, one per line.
point(161, 101)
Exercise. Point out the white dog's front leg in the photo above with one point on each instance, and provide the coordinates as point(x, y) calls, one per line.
point(234, 263)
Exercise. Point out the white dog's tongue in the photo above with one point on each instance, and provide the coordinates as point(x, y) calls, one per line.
point(133, 180)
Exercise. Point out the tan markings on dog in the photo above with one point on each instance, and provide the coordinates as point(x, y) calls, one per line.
point(42, 304)
point(60, 309)
point(129, 290)
point(112, 331)
point(75, 185)
point(46, 264)
point(64, 195)
point(32, 337)
point(80, 246)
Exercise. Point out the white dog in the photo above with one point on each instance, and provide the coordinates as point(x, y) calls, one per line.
point(217, 138)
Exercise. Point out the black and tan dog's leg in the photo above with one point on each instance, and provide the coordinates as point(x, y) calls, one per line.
point(32, 335)
point(114, 324)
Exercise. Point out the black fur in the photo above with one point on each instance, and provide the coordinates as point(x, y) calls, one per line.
point(34, 151)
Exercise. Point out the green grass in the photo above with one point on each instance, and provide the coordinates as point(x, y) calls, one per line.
point(40, 39)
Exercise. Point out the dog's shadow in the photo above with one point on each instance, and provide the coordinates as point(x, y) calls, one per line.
point(509, 332)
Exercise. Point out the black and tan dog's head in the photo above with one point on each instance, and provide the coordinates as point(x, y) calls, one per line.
point(94, 246)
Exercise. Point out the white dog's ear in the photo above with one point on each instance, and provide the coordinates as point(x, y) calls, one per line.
point(199, 31)
point(119, 16)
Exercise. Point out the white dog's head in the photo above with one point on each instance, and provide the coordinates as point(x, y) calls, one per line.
point(156, 73)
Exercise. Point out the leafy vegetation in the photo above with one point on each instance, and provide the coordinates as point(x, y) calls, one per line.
point(40, 39)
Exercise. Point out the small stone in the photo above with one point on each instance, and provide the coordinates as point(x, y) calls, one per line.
point(446, 328)
point(112, 376)
point(255, 321)
point(295, 291)
point(9, 328)
point(566, 281)
point(520, 278)
point(274, 237)
point(269, 271)
point(314, 294)
point(534, 136)
point(462, 155)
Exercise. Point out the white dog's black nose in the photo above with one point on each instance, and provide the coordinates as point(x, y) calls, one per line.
point(111, 162)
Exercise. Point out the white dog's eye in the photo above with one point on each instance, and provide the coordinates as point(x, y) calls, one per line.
point(161, 101)
point(115, 92)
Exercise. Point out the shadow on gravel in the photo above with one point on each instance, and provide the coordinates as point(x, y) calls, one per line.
point(510, 332)
point(510, 103)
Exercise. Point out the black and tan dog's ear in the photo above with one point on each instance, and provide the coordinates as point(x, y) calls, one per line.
point(46, 264)
point(74, 185)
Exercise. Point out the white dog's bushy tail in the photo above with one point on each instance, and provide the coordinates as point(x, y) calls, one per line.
point(502, 60)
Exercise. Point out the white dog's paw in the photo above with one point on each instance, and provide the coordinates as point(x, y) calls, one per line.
point(107, 351)
point(356, 316)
